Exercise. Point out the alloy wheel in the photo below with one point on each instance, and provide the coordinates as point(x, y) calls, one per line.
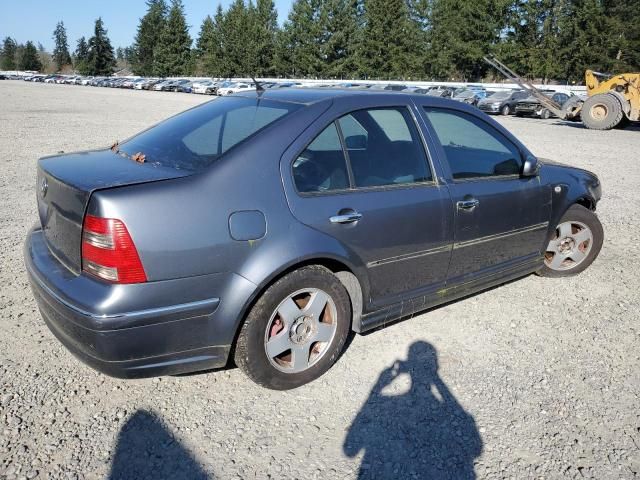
point(300, 330)
point(570, 246)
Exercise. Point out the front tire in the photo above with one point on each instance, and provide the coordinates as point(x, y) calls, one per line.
point(575, 244)
point(506, 110)
point(602, 112)
point(296, 330)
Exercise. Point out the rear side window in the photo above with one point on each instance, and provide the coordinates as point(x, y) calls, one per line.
point(322, 166)
point(386, 148)
point(472, 147)
point(196, 138)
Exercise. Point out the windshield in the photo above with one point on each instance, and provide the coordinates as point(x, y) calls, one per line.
point(466, 94)
point(196, 138)
point(500, 95)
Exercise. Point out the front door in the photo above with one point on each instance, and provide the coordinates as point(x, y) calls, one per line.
point(501, 218)
point(366, 181)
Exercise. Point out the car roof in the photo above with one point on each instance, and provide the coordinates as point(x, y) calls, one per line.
point(313, 95)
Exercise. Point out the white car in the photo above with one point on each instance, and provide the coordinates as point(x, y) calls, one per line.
point(86, 80)
point(202, 86)
point(236, 88)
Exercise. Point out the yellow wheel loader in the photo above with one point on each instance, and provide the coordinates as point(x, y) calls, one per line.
point(612, 99)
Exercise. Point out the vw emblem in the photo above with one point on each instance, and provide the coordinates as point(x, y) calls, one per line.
point(44, 186)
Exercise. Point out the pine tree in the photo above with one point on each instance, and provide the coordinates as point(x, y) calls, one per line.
point(147, 38)
point(623, 19)
point(206, 48)
point(9, 49)
point(61, 55)
point(82, 57)
point(460, 34)
point(234, 40)
point(101, 59)
point(30, 59)
point(339, 24)
point(301, 41)
point(388, 47)
point(265, 41)
point(173, 54)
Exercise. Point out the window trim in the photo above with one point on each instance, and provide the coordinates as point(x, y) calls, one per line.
point(352, 188)
point(509, 176)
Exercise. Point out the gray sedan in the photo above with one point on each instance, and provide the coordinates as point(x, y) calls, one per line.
point(264, 227)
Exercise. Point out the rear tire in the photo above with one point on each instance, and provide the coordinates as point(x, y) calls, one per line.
point(574, 246)
point(296, 330)
point(602, 112)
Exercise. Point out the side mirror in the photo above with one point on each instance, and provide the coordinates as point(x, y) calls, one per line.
point(356, 142)
point(531, 167)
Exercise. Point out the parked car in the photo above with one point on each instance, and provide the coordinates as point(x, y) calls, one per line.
point(329, 217)
point(148, 84)
point(444, 92)
point(470, 97)
point(532, 107)
point(503, 102)
point(236, 88)
point(204, 87)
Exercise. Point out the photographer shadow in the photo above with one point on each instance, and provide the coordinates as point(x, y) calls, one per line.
point(421, 432)
point(146, 449)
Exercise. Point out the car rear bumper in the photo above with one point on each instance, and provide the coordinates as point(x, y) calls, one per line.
point(140, 330)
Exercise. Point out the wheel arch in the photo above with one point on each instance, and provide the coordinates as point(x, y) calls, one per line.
point(354, 285)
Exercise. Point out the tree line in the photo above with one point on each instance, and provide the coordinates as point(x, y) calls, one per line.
point(374, 39)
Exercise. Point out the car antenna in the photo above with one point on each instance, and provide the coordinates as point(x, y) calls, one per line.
point(259, 87)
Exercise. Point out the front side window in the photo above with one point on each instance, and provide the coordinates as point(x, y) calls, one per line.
point(472, 147)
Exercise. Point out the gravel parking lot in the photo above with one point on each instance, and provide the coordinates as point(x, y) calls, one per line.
point(539, 378)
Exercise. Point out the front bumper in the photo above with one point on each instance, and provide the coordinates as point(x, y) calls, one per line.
point(139, 330)
point(489, 108)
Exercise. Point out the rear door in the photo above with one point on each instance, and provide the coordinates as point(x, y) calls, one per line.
point(501, 218)
point(363, 176)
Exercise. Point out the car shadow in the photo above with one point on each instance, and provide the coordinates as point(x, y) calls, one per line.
point(411, 425)
point(146, 448)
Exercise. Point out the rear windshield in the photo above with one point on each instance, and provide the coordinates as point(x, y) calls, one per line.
point(196, 138)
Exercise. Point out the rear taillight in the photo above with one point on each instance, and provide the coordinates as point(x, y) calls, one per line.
point(108, 251)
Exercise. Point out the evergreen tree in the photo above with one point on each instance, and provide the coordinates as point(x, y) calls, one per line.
point(9, 49)
point(173, 54)
point(209, 46)
point(30, 60)
point(388, 48)
point(101, 59)
point(61, 55)
point(587, 41)
point(460, 34)
point(265, 41)
point(339, 24)
point(82, 57)
point(623, 18)
point(301, 41)
point(147, 38)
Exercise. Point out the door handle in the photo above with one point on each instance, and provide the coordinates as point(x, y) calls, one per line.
point(468, 205)
point(349, 217)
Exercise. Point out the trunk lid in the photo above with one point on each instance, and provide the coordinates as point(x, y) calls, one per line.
point(65, 184)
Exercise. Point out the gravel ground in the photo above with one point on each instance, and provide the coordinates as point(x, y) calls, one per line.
point(539, 378)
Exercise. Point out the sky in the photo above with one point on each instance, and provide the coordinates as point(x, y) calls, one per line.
point(35, 20)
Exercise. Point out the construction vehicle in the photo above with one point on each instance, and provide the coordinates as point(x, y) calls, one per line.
point(612, 99)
